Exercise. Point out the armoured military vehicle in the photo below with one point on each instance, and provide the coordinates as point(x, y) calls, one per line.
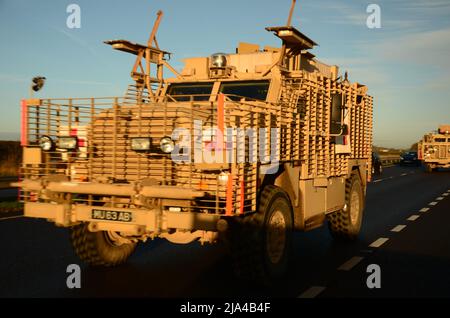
point(434, 149)
point(248, 147)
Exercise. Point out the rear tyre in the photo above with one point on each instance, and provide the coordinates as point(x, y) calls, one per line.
point(346, 223)
point(261, 243)
point(99, 248)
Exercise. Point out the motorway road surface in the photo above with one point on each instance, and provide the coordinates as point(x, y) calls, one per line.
point(414, 260)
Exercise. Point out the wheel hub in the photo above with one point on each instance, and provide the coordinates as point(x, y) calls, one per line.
point(276, 236)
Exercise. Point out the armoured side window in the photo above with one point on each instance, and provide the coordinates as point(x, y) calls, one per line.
point(336, 124)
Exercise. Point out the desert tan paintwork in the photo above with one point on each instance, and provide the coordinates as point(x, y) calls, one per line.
point(318, 147)
point(434, 148)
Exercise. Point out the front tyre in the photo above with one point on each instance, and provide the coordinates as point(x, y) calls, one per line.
point(261, 243)
point(100, 248)
point(346, 223)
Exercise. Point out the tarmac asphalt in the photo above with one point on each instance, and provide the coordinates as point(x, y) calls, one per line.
point(406, 232)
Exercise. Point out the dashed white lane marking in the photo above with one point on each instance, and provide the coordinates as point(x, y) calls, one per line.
point(432, 203)
point(403, 174)
point(445, 194)
point(379, 180)
point(424, 210)
point(391, 177)
point(379, 242)
point(352, 262)
point(398, 228)
point(439, 198)
point(11, 217)
point(413, 217)
point(313, 292)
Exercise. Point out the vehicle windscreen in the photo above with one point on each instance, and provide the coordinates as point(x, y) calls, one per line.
point(250, 89)
point(183, 92)
point(439, 139)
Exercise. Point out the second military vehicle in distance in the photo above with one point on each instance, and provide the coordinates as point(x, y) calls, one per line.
point(248, 147)
point(434, 149)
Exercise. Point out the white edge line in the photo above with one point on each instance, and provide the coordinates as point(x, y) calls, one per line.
point(379, 242)
point(413, 217)
point(312, 292)
point(11, 217)
point(398, 228)
point(352, 262)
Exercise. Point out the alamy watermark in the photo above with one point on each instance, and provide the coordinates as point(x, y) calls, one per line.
point(232, 145)
point(74, 279)
point(374, 279)
point(374, 19)
point(74, 19)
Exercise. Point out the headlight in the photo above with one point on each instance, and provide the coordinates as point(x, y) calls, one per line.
point(223, 178)
point(167, 145)
point(69, 143)
point(46, 143)
point(140, 144)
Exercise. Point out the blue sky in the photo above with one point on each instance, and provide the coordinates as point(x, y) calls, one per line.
point(405, 64)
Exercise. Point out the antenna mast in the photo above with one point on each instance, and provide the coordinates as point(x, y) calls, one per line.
point(291, 12)
point(288, 24)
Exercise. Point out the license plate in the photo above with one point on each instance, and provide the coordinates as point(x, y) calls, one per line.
point(115, 216)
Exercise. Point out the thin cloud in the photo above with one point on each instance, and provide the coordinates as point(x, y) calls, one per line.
point(82, 43)
point(354, 14)
point(83, 82)
point(430, 48)
point(13, 78)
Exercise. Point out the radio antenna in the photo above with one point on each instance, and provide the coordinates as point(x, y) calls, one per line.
point(291, 12)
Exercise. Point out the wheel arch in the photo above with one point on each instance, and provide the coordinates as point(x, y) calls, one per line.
point(287, 180)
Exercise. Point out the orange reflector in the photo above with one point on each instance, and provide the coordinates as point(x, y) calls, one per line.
point(202, 185)
point(24, 124)
point(241, 210)
point(220, 121)
point(229, 207)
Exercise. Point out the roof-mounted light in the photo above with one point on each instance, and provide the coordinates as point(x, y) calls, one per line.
point(219, 60)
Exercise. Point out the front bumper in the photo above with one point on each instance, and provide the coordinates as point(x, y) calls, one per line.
point(155, 220)
point(143, 221)
point(440, 163)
